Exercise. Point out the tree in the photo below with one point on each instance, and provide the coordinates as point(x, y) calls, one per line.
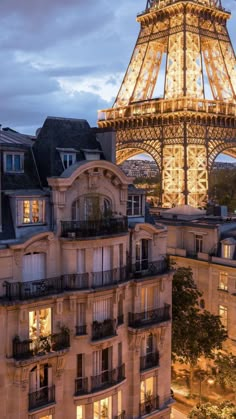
point(195, 333)
point(226, 370)
point(225, 410)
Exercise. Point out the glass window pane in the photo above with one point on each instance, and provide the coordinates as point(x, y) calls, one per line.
point(9, 165)
point(17, 162)
point(26, 212)
point(35, 211)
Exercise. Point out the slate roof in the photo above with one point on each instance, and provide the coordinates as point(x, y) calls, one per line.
point(61, 133)
point(13, 141)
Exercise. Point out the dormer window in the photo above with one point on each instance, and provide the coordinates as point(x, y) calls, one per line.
point(13, 162)
point(228, 248)
point(30, 211)
point(68, 159)
point(134, 205)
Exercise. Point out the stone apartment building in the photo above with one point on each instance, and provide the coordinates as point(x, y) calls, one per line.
point(207, 244)
point(85, 291)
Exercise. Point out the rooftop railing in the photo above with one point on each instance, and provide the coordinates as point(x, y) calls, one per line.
point(94, 228)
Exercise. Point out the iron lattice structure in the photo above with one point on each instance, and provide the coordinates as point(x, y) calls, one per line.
point(183, 131)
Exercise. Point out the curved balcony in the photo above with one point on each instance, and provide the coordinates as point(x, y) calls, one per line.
point(149, 405)
point(148, 361)
point(44, 344)
point(111, 277)
point(145, 268)
point(103, 330)
point(81, 386)
point(41, 397)
point(94, 228)
point(108, 378)
point(150, 317)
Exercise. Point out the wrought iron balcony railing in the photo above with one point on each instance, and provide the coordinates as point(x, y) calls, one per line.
point(144, 268)
point(155, 316)
point(41, 397)
point(81, 330)
point(149, 405)
point(111, 277)
point(48, 286)
point(105, 329)
point(149, 361)
point(108, 378)
point(121, 415)
point(42, 345)
point(81, 386)
point(93, 228)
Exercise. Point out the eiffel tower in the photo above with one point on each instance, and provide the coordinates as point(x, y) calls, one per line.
point(182, 130)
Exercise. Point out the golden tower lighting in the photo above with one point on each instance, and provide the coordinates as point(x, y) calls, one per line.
point(183, 131)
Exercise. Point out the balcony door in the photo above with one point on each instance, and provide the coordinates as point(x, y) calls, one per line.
point(102, 363)
point(148, 298)
point(142, 255)
point(34, 267)
point(40, 378)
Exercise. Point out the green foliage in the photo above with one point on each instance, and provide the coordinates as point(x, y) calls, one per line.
point(195, 333)
point(225, 410)
point(222, 187)
point(226, 370)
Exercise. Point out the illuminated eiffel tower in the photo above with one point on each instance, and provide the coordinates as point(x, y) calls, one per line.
point(183, 131)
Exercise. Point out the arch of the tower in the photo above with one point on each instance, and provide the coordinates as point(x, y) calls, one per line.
point(129, 149)
point(224, 148)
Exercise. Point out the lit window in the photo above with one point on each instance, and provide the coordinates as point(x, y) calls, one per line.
point(149, 298)
point(80, 412)
point(102, 409)
point(223, 313)
point(39, 323)
point(227, 251)
point(68, 159)
point(134, 205)
point(13, 162)
point(46, 417)
point(146, 389)
point(223, 281)
point(31, 211)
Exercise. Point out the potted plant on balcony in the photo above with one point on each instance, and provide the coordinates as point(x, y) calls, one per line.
point(104, 411)
point(148, 399)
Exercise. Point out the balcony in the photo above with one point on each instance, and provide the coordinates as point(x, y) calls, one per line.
point(147, 318)
point(42, 397)
point(81, 330)
point(102, 330)
point(108, 378)
point(121, 415)
point(150, 360)
point(42, 345)
point(81, 386)
point(145, 268)
point(120, 319)
point(112, 277)
point(148, 406)
point(93, 228)
point(44, 287)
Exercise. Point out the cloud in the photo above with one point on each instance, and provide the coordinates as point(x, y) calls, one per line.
point(65, 58)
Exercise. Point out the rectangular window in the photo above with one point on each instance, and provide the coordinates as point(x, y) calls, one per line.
point(146, 389)
point(227, 251)
point(198, 243)
point(102, 409)
point(102, 310)
point(39, 323)
point(141, 255)
point(80, 365)
point(148, 298)
point(223, 313)
point(80, 414)
point(134, 205)
point(31, 211)
point(223, 281)
point(13, 162)
point(119, 403)
point(68, 159)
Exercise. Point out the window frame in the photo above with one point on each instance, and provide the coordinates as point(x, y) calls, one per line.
point(20, 211)
point(131, 212)
point(13, 154)
point(223, 313)
point(65, 156)
point(223, 281)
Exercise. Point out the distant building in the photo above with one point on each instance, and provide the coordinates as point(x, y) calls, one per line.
point(85, 291)
point(207, 244)
point(140, 168)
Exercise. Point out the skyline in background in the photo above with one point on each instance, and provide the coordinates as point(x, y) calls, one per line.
point(66, 59)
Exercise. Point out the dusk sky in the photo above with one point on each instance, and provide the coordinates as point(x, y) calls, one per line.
point(66, 57)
